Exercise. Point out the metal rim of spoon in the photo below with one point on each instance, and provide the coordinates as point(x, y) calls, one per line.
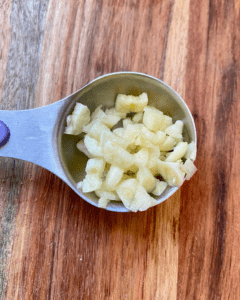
point(36, 135)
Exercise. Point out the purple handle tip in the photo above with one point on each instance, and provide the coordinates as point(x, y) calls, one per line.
point(4, 134)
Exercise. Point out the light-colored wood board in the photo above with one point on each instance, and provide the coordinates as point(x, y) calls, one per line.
point(21, 32)
point(5, 36)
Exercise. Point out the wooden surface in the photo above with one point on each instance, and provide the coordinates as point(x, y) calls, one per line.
point(53, 245)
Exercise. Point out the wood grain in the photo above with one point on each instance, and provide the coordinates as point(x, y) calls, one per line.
point(5, 30)
point(55, 245)
point(5, 35)
point(21, 48)
point(209, 221)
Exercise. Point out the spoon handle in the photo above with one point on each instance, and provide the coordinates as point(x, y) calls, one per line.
point(29, 135)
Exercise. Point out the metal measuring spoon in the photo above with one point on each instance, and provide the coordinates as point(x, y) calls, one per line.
point(37, 135)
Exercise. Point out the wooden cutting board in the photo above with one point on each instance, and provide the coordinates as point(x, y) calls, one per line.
point(54, 245)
